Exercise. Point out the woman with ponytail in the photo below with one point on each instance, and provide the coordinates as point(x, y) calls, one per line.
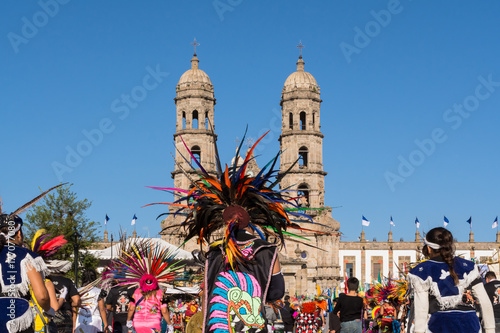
point(439, 285)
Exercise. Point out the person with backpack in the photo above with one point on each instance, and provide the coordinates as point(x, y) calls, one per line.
point(91, 315)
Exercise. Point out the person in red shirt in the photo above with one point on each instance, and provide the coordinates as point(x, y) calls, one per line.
point(191, 309)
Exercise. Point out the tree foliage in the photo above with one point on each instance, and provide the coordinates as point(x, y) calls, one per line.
point(62, 213)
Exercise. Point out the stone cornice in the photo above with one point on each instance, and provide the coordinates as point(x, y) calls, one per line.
point(208, 98)
point(301, 133)
point(195, 131)
point(305, 171)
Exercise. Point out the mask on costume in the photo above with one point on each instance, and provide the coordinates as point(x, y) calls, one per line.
point(148, 282)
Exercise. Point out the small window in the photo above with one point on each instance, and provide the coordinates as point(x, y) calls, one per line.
point(303, 193)
point(183, 120)
point(195, 119)
point(206, 120)
point(303, 152)
point(290, 118)
point(302, 120)
point(196, 151)
point(349, 270)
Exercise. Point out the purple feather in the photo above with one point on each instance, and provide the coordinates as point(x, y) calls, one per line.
point(194, 158)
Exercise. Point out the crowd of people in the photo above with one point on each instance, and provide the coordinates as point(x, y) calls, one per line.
point(242, 222)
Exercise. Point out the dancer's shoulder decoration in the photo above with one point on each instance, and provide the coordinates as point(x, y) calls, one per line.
point(233, 200)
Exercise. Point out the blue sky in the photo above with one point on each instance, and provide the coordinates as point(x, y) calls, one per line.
point(410, 89)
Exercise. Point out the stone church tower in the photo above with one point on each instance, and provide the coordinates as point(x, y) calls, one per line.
point(301, 139)
point(194, 123)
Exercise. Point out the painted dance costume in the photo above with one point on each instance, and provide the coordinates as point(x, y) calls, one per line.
point(437, 295)
point(240, 293)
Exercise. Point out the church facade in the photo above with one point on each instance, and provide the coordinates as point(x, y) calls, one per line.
point(301, 138)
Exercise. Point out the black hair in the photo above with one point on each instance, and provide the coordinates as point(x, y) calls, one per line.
point(352, 284)
point(88, 276)
point(490, 275)
point(8, 222)
point(444, 239)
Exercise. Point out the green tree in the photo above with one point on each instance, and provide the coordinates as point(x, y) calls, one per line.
point(62, 213)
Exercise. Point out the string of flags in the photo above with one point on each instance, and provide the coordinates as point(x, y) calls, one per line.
point(106, 219)
point(365, 222)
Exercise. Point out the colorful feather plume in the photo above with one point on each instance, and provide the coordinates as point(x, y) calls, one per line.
point(391, 290)
point(44, 246)
point(141, 258)
point(233, 200)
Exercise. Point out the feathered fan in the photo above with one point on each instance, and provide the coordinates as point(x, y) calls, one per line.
point(141, 260)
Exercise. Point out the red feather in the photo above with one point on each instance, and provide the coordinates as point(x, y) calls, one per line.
point(53, 245)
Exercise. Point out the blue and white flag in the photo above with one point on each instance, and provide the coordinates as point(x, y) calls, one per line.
point(106, 219)
point(446, 221)
point(133, 220)
point(495, 223)
point(392, 222)
point(364, 221)
point(417, 223)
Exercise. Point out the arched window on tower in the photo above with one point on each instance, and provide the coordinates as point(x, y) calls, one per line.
point(303, 152)
point(183, 120)
point(290, 122)
point(195, 119)
point(303, 193)
point(206, 120)
point(314, 120)
point(303, 120)
point(196, 151)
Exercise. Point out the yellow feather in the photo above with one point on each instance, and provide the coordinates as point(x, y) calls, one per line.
point(38, 233)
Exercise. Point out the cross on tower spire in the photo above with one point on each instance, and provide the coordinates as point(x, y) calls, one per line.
point(300, 47)
point(195, 44)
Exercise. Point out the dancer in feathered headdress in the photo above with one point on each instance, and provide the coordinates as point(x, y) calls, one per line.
point(45, 247)
point(391, 295)
point(242, 270)
point(147, 266)
point(20, 269)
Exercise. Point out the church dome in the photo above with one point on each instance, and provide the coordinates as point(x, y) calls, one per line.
point(300, 79)
point(194, 75)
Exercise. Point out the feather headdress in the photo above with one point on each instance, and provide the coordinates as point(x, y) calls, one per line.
point(391, 290)
point(146, 264)
point(44, 246)
point(235, 199)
